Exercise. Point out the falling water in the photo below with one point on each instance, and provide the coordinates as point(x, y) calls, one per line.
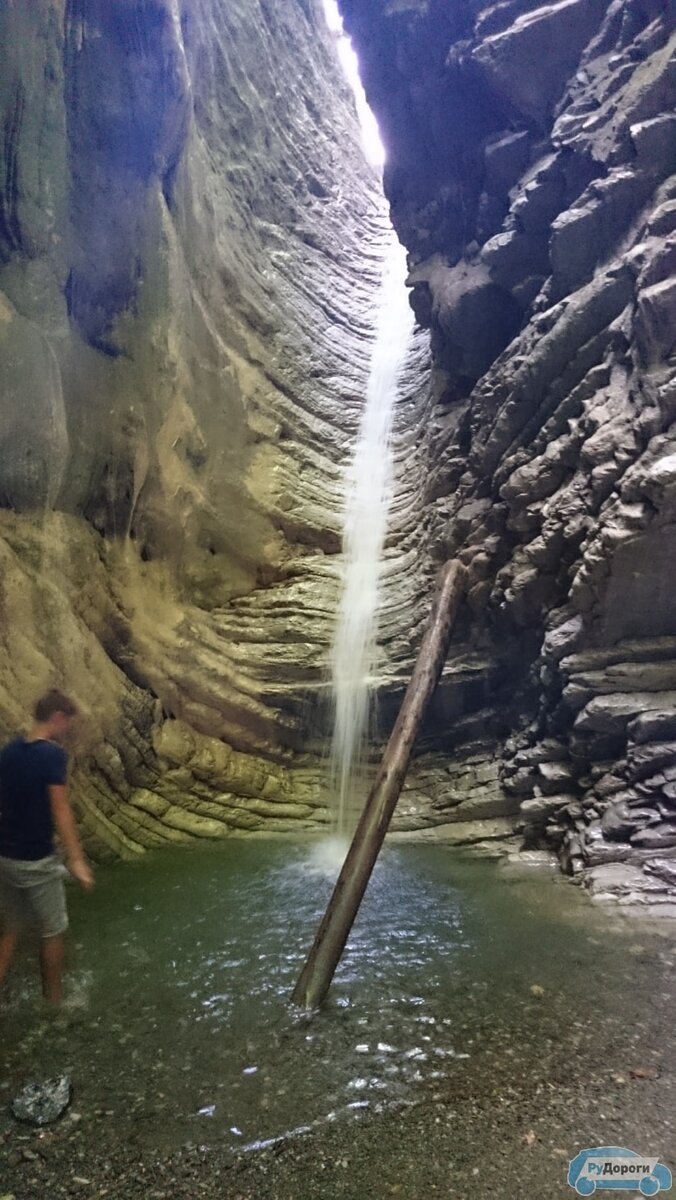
point(365, 526)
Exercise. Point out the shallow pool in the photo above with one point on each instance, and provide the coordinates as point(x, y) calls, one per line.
point(178, 1028)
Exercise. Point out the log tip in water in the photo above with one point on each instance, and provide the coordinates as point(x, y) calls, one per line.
point(333, 932)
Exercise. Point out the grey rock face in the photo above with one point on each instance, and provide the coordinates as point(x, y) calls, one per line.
point(190, 257)
point(554, 179)
point(189, 249)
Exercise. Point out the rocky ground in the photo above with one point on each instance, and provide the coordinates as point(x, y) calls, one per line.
point(508, 1132)
point(504, 1123)
point(457, 1147)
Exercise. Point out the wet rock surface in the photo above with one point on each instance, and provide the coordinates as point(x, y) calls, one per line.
point(544, 197)
point(190, 254)
point(189, 266)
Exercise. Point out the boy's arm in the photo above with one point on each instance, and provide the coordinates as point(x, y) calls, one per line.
point(67, 830)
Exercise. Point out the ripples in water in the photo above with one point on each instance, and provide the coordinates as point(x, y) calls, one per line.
point(187, 962)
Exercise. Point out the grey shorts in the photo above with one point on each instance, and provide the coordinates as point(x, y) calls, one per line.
point(33, 893)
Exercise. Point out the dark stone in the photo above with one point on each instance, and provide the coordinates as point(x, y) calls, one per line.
point(541, 808)
point(611, 713)
point(608, 785)
point(619, 822)
point(505, 160)
point(583, 235)
point(179, 235)
point(546, 751)
point(553, 777)
point(476, 318)
point(655, 142)
point(656, 322)
point(563, 639)
point(539, 203)
point(657, 836)
point(43, 1103)
point(646, 759)
point(521, 782)
point(514, 257)
point(529, 59)
point(657, 725)
point(491, 212)
point(664, 868)
point(662, 220)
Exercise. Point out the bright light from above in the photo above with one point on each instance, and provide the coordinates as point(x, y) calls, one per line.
point(373, 147)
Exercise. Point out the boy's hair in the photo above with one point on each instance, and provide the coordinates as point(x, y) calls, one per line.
point(53, 702)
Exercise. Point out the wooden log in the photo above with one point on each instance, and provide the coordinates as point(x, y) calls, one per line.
point(332, 934)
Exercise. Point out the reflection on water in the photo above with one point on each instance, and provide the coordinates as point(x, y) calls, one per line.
point(186, 962)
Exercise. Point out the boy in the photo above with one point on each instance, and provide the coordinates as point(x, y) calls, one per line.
point(33, 806)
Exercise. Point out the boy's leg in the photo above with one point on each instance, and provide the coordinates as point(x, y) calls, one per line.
point(45, 894)
point(11, 917)
point(52, 955)
point(8, 944)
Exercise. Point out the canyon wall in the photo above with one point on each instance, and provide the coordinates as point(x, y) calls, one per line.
point(190, 256)
point(532, 175)
point(190, 251)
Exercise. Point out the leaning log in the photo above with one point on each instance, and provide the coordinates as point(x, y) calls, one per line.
point(315, 978)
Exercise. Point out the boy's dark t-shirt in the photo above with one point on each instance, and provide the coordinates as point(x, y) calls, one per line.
point(26, 771)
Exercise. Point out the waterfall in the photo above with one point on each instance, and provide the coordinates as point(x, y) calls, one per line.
point(368, 487)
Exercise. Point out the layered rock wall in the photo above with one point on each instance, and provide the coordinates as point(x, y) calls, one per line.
point(190, 250)
point(190, 257)
point(531, 173)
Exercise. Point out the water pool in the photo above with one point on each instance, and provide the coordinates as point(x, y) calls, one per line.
point(179, 1031)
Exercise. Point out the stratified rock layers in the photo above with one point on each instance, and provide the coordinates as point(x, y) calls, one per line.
point(190, 247)
point(190, 250)
point(531, 172)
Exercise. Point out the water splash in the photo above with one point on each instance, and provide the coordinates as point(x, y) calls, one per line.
point(325, 858)
point(368, 487)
